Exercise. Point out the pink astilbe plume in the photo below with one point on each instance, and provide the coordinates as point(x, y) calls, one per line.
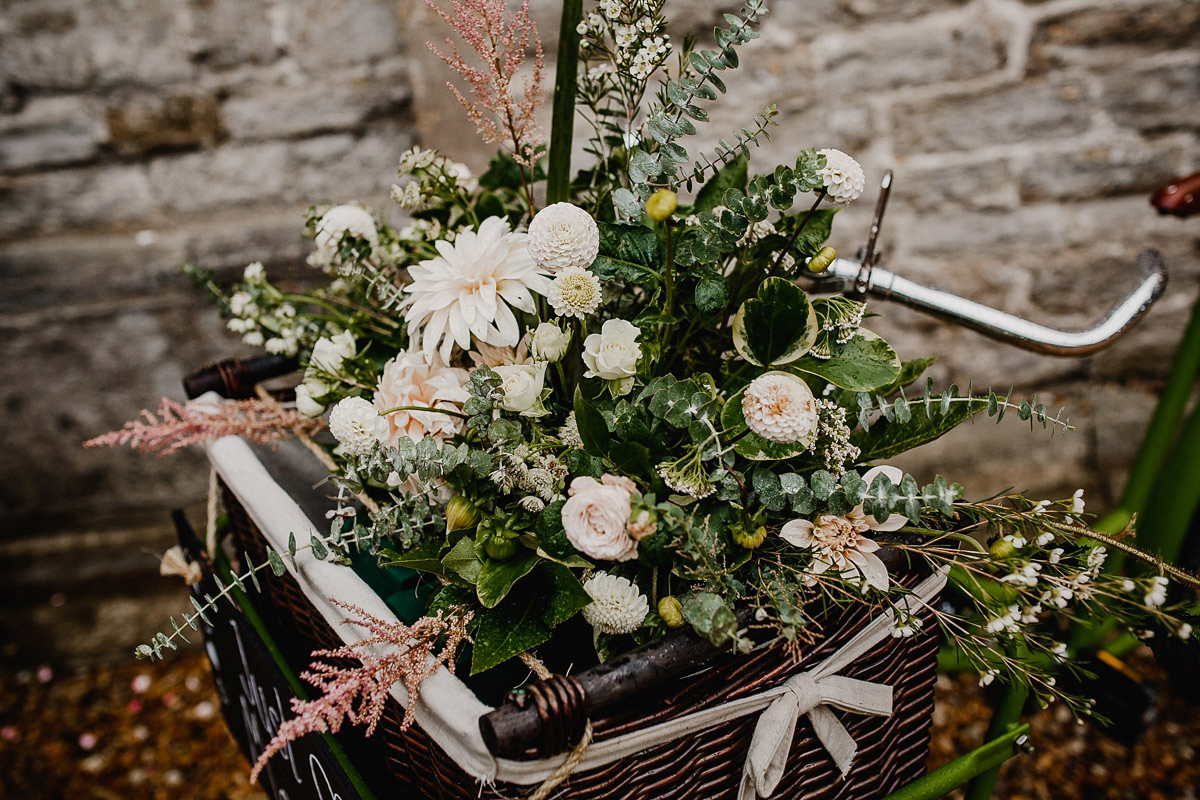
point(500, 38)
point(412, 657)
point(178, 425)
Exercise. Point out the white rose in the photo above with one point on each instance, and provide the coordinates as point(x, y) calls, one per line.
point(596, 516)
point(548, 342)
point(329, 353)
point(305, 403)
point(613, 353)
point(522, 385)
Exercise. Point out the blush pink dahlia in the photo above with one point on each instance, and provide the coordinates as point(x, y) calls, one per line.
point(839, 543)
point(780, 407)
point(415, 380)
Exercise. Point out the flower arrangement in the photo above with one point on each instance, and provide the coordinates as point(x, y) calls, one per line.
point(580, 398)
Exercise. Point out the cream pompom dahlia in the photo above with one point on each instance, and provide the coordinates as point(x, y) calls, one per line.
point(575, 292)
point(562, 235)
point(471, 288)
point(780, 407)
point(842, 175)
point(617, 606)
point(357, 426)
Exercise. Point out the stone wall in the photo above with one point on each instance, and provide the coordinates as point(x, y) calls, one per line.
point(136, 135)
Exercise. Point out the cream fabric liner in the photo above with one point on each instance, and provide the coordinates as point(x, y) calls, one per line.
point(447, 710)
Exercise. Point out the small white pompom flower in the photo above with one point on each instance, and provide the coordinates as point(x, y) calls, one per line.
point(575, 292)
point(562, 235)
point(339, 220)
point(780, 407)
point(617, 605)
point(357, 426)
point(842, 175)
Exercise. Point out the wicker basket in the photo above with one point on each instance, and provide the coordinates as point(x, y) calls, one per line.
point(707, 764)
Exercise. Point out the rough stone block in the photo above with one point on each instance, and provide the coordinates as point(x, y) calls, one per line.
point(1097, 170)
point(71, 374)
point(51, 131)
point(149, 124)
point(1160, 98)
point(338, 103)
point(321, 35)
point(46, 45)
point(233, 33)
point(980, 185)
point(919, 54)
point(1034, 110)
point(229, 176)
point(55, 271)
point(1110, 34)
point(49, 201)
point(1121, 414)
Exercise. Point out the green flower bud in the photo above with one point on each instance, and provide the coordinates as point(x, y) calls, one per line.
point(671, 611)
point(461, 513)
point(749, 539)
point(661, 204)
point(1001, 548)
point(821, 261)
point(500, 547)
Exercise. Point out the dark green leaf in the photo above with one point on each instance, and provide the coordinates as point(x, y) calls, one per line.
point(424, 557)
point(777, 326)
point(462, 560)
point(566, 595)
point(504, 632)
point(496, 578)
point(550, 534)
point(862, 364)
point(592, 428)
point(711, 293)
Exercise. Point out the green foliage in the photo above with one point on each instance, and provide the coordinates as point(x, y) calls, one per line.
point(775, 327)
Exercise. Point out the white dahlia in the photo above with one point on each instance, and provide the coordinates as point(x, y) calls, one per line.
point(562, 235)
point(575, 292)
point(356, 425)
point(780, 407)
point(470, 289)
point(842, 175)
point(617, 605)
point(415, 380)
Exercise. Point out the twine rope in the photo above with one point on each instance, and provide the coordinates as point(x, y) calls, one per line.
point(575, 756)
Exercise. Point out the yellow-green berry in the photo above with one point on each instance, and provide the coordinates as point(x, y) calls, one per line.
point(661, 204)
point(671, 611)
point(461, 513)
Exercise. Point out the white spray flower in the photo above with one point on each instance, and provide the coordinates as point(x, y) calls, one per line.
point(617, 606)
point(562, 235)
point(842, 176)
point(336, 222)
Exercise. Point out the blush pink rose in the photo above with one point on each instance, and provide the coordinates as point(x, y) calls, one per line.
point(596, 516)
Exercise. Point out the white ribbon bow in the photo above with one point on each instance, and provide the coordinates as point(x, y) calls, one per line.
point(812, 693)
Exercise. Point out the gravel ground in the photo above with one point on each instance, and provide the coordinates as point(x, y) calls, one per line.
point(130, 731)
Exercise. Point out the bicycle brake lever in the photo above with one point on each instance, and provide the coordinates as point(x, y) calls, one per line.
point(846, 276)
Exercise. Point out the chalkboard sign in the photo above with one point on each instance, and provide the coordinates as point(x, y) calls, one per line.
point(255, 699)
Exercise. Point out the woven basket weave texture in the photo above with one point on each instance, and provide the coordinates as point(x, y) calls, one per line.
point(705, 766)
